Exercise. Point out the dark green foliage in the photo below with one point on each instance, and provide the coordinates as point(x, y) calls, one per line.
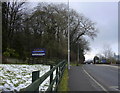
point(45, 27)
point(10, 53)
point(96, 59)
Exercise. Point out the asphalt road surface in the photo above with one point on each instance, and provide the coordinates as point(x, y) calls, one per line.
point(91, 77)
point(106, 75)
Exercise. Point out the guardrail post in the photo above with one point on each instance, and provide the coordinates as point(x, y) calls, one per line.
point(59, 72)
point(57, 75)
point(35, 76)
point(51, 76)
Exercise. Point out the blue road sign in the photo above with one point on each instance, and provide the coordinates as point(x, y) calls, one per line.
point(103, 61)
point(38, 52)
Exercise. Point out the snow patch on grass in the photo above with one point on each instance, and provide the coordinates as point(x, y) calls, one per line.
point(16, 77)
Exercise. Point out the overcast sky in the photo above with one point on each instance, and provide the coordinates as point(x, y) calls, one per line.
point(105, 14)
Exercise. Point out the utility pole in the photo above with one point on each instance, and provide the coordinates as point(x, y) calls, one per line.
point(78, 54)
point(68, 39)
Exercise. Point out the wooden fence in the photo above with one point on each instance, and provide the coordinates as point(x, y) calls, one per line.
point(36, 80)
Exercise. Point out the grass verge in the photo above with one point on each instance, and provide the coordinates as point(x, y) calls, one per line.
point(74, 64)
point(63, 86)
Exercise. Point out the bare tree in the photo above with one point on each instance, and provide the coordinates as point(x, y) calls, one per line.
point(11, 20)
point(107, 51)
point(108, 54)
point(46, 26)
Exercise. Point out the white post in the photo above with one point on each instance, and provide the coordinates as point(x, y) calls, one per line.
point(68, 40)
point(78, 54)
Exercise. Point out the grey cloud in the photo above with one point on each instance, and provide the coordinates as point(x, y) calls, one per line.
point(105, 14)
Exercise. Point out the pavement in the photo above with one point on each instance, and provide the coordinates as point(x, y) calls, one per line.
point(92, 77)
point(79, 81)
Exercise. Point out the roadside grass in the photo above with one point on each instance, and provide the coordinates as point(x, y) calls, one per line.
point(63, 86)
point(74, 64)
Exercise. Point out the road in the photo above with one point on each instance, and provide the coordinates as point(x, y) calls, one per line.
point(91, 77)
point(105, 75)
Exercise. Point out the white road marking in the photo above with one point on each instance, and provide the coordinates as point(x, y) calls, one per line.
point(115, 87)
point(114, 66)
point(118, 67)
point(95, 80)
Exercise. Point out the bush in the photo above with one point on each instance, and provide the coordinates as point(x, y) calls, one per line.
point(10, 53)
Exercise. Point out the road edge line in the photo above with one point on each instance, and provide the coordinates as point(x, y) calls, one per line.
point(95, 81)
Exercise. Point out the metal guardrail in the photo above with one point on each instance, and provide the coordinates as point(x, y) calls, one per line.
point(36, 80)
